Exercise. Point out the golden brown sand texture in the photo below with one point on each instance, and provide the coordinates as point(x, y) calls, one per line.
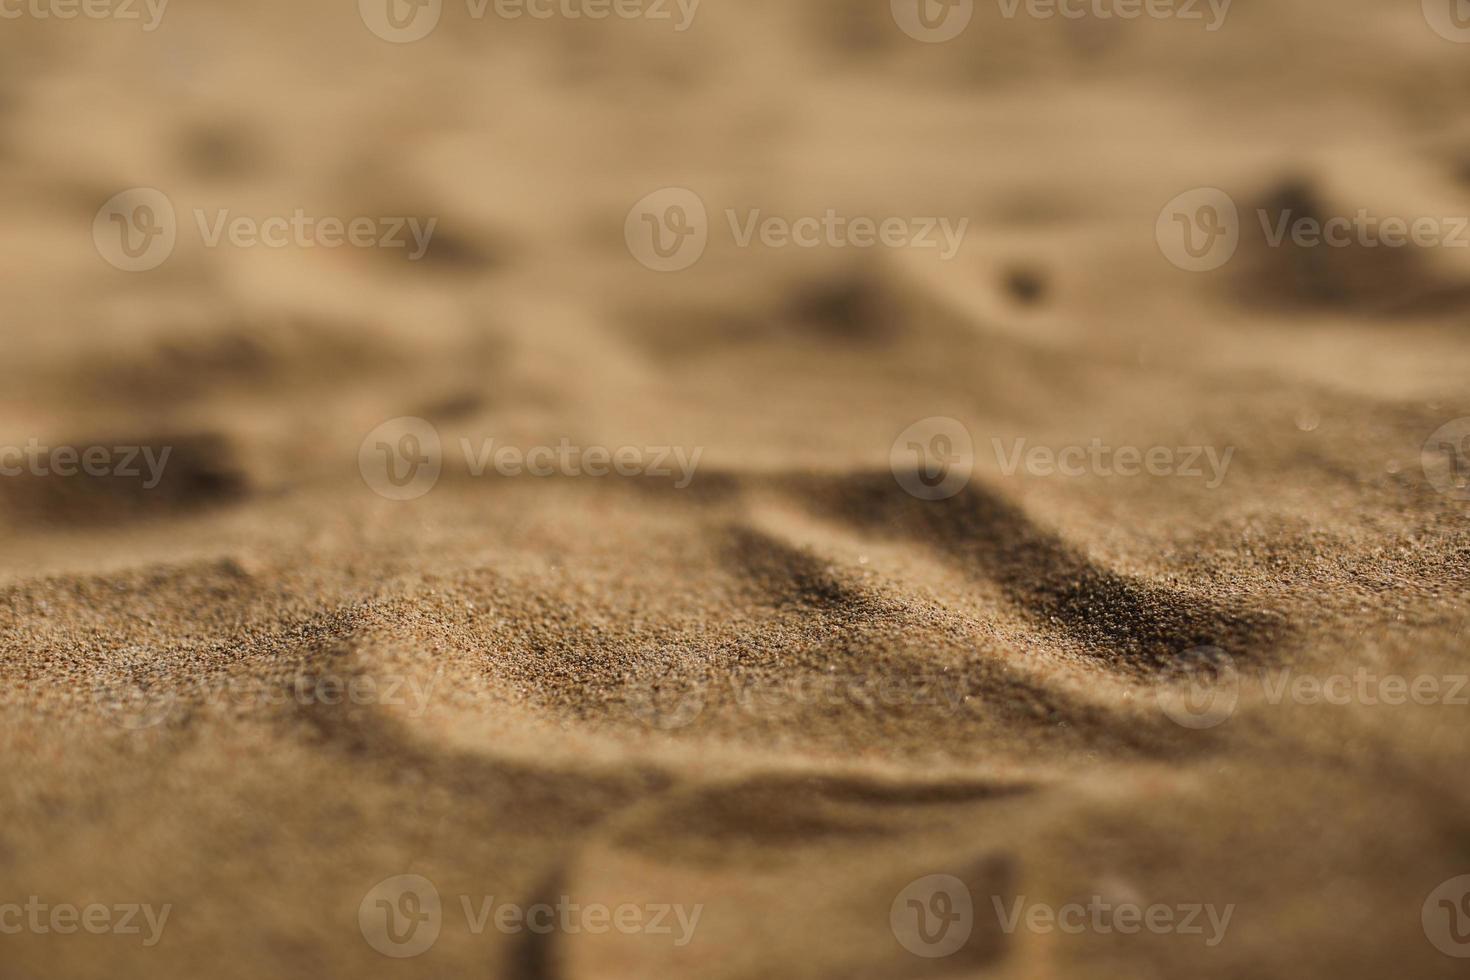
point(765, 490)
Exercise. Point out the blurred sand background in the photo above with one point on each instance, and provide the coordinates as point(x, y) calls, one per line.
point(546, 615)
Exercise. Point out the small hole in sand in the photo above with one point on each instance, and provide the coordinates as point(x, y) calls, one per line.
point(1025, 285)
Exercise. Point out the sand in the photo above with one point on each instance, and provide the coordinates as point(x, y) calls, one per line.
point(775, 694)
